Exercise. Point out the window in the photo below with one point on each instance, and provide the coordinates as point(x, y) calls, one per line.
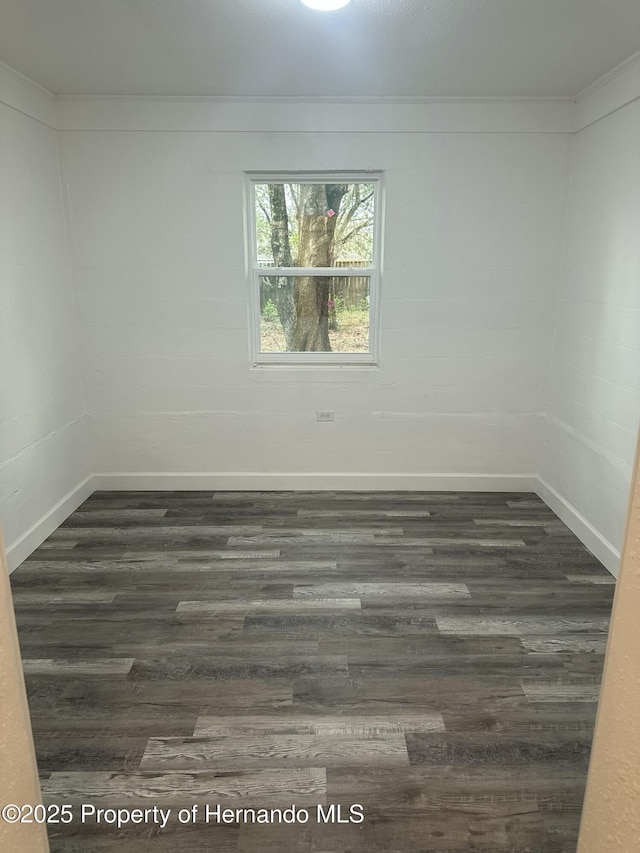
point(314, 258)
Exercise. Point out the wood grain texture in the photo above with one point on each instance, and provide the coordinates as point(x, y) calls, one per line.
point(335, 725)
point(435, 657)
point(395, 589)
point(246, 752)
point(268, 787)
point(70, 668)
point(271, 605)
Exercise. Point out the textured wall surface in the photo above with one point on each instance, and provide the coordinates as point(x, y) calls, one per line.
point(472, 243)
point(593, 398)
point(611, 817)
point(476, 197)
point(43, 436)
point(19, 780)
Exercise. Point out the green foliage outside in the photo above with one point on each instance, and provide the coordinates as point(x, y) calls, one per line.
point(350, 333)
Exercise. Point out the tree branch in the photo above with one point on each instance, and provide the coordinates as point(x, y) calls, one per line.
point(354, 231)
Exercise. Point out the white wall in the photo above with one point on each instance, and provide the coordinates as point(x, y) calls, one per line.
point(593, 402)
point(493, 363)
point(43, 436)
point(472, 243)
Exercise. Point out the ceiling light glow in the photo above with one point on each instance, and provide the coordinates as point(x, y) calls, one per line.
point(325, 5)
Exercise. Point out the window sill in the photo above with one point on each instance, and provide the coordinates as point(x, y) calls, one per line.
point(307, 364)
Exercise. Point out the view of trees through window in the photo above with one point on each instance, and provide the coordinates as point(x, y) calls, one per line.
point(308, 228)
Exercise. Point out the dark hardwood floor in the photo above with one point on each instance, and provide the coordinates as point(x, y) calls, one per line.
point(434, 657)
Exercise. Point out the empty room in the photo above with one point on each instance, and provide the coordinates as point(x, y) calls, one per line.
point(319, 405)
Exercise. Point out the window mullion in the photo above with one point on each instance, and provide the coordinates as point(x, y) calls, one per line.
point(308, 272)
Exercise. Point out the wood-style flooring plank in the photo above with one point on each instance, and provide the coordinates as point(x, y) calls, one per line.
point(270, 605)
point(337, 725)
point(70, 668)
point(274, 751)
point(184, 788)
point(430, 591)
point(478, 625)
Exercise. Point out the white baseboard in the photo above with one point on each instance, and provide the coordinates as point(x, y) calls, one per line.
point(591, 538)
point(254, 481)
point(26, 544)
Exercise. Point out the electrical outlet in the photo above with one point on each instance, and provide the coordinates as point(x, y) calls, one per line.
point(324, 415)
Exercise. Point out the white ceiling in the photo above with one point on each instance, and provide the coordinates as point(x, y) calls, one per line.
point(371, 48)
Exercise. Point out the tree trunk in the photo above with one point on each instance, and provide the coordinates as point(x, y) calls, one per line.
point(319, 206)
point(281, 250)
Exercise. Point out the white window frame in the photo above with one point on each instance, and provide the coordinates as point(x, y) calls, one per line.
point(373, 272)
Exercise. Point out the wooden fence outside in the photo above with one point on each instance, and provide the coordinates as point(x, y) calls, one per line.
point(351, 291)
